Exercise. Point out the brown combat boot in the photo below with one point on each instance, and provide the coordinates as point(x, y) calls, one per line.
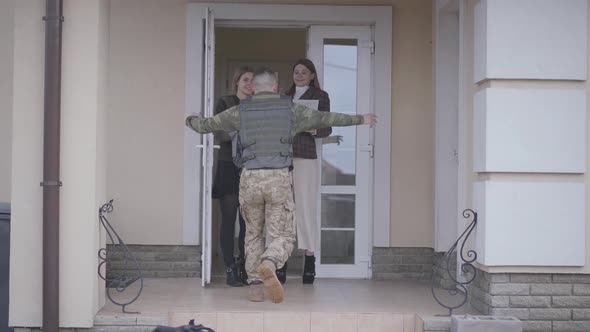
point(267, 272)
point(256, 291)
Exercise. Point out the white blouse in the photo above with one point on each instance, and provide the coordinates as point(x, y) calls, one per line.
point(299, 91)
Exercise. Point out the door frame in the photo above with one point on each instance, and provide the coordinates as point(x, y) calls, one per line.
point(364, 142)
point(257, 15)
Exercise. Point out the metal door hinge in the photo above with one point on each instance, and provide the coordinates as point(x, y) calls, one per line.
point(365, 259)
point(368, 44)
point(370, 148)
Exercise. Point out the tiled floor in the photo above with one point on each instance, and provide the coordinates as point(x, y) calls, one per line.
point(328, 305)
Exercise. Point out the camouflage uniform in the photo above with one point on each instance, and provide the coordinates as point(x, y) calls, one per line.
point(266, 195)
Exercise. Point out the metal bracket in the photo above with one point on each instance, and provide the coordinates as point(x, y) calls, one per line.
point(367, 44)
point(50, 183)
point(53, 18)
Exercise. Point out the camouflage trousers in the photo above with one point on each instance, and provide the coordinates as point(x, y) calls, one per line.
point(266, 199)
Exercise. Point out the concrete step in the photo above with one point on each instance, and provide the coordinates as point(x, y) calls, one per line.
point(267, 321)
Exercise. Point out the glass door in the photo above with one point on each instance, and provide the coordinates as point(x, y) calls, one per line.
point(342, 55)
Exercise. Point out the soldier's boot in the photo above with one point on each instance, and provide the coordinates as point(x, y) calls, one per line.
point(282, 274)
point(267, 272)
point(309, 270)
point(232, 277)
point(256, 291)
point(241, 263)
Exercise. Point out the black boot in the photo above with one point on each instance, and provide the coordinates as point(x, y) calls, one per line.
point(282, 274)
point(309, 270)
point(241, 264)
point(232, 276)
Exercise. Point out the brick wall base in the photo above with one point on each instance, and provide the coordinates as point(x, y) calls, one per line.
point(390, 263)
point(544, 302)
point(158, 261)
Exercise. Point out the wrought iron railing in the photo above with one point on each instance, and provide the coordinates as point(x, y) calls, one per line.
point(444, 278)
point(118, 282)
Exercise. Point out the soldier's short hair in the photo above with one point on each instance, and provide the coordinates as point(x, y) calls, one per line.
point(264, 79)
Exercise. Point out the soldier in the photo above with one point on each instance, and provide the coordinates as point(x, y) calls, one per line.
point(266, 124)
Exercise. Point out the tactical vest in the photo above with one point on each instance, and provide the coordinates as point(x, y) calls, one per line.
point(265, 138)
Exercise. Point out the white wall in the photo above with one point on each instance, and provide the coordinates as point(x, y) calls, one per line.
point(412, 125)
point(6, 52)
point(145, 119)
point(27, 163)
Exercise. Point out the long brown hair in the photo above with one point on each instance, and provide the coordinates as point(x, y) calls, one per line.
point(237, 75)
point(311, 67)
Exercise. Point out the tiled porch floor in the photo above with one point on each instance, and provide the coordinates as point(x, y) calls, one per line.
point(173, 301)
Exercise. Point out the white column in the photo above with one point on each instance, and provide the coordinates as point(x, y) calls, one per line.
point(84, 61)
point(27, 165)
point(529, 132)
point(6, 52)
point(84, 68)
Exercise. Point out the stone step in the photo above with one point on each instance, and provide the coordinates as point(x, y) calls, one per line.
point(266, 321)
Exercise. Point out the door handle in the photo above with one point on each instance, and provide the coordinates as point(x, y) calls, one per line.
point(202, 146)
point(370, 148)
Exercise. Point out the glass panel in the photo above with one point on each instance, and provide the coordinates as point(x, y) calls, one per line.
point(338, 211)
point(337, 247)
point(340, 81)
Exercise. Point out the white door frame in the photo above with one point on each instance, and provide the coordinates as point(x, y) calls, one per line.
point(364, 141)
point(380, 17)
point(446, 96)
point(451, 55)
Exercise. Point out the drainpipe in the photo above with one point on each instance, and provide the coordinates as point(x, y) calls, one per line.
point(51, 154)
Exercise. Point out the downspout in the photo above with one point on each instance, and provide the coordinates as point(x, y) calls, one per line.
point(51, 154)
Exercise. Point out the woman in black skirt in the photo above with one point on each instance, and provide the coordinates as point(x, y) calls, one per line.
point(227, 182)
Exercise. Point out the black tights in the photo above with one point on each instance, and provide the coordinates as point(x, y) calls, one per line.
point(229, 207)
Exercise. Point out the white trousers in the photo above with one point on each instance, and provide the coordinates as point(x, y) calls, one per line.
point(306, 182)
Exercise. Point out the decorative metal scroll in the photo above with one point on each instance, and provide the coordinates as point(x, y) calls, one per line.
point(118, 282)
point(443, 277)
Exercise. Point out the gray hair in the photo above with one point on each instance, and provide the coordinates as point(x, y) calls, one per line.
point(264, 79)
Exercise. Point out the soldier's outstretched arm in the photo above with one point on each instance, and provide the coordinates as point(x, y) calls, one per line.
point(228, 120)
point(307, 118)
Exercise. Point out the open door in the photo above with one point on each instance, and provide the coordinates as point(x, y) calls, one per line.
point(207, 148)
point(343, 59)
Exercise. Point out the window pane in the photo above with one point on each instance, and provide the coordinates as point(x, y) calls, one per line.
point(337, 247)
point(340, 81)
point(338, 211)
